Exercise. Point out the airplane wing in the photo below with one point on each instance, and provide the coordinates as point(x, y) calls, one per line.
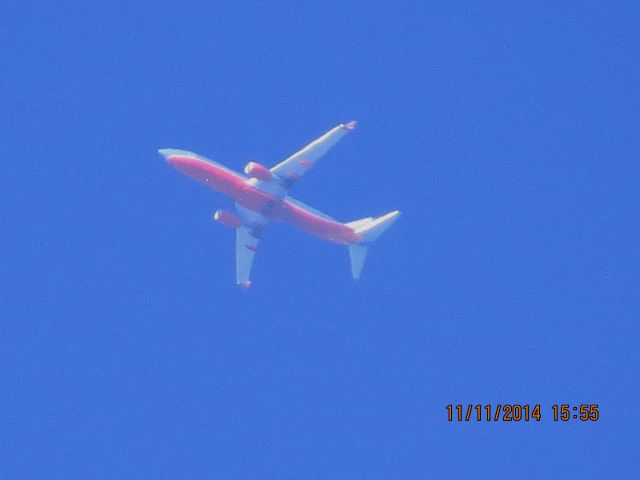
point(246, 246)
point(247, 240)
point(300, 162)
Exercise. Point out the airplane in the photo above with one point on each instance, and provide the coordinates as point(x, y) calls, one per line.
point(263, 196)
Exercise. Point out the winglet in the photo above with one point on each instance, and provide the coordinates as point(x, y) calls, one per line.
point(351, 125)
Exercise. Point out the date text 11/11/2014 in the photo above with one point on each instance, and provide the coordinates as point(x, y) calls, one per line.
point(513, 412)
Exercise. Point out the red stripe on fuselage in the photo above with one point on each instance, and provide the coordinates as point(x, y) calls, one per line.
point(212, 175)
point(321, 227)
point(231, 184)
point(274, 208)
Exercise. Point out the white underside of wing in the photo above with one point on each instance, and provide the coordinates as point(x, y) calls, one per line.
point(251, 218)
point(300, 162)
point(247, 240)
point(246, 246)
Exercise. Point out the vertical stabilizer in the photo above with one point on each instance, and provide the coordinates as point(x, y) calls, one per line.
point(358, 255)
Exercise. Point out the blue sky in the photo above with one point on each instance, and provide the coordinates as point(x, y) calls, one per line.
point(507, 135)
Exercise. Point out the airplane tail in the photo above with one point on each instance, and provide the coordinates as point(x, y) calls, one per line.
point(369, 229)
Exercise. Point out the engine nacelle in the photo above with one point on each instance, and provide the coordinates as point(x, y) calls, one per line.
point(227, 218)
point(255, 170)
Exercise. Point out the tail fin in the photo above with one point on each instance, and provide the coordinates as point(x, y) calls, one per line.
point(358, 254)
point(369, 229)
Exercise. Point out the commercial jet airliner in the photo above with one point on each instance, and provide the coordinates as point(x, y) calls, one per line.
point(263, 196)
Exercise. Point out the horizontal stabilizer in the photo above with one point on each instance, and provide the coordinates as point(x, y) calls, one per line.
point(371, 229)
point(358, 223)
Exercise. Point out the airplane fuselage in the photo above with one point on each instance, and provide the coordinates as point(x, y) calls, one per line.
point(274, 207)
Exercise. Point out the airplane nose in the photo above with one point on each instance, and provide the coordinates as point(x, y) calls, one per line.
point(172, 157)
point(166, 153)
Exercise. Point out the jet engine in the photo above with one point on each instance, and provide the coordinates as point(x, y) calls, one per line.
point(227, 218)
point(255, 170)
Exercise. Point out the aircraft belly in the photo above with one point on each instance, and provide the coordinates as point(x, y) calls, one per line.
point(262, 203)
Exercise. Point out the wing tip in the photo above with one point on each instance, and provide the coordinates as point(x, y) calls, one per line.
point(351, 125)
